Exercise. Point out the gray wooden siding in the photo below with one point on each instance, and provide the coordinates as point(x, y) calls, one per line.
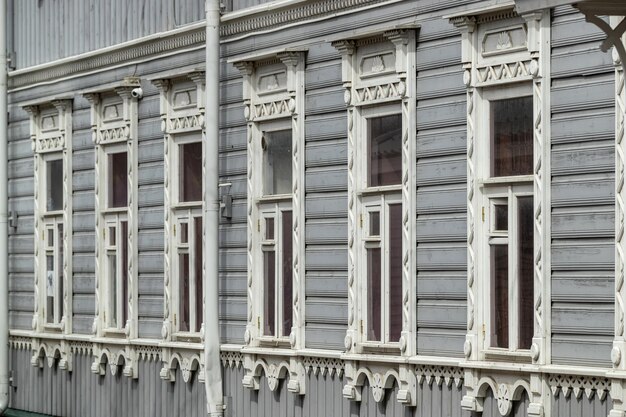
point(233, 232)
point(583, 165)
point(83, 218)
point(45, 31)
point(326, 201)
point(21, 238)
point(582, 406)
point(441, 185)
point(81, 393)
point(151, 215)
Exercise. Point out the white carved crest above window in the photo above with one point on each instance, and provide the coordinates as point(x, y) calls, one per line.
point(377, 68)
point(182, 103)
point(111, 113)
point(49, 125)
point(499, 47)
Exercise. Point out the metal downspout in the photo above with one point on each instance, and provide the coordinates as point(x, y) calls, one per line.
point(212, 361)
point(4, 276)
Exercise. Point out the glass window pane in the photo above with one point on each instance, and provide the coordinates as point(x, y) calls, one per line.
point(198, 272)
point(512, 137)
point(118, 180)
point(373, 294)
point(277, 162)
point(287, 243)
point(500, 294)
point(269, 296)
point(50, 237)
point(526, 270)
point(54, 185)
point(385, 150)
point(374, 223)
point(183, 260)
point(395, 272)
point(124, 260)
point(112, 291)
point(184, 232)
point(112, 236)
point(60, 276)
point(49, 289)
point(502, 217)
point(190, 169)
point(269, 228)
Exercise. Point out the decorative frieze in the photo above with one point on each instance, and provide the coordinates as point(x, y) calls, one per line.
point(576, 384)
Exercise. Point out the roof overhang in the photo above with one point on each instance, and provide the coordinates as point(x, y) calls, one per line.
point(600, 7)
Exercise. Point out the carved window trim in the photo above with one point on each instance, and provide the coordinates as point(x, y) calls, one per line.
point(114, 124)
point(51, 136)
point(531, 66)
point(273, 94)
point(388, 82)
point(182, 109)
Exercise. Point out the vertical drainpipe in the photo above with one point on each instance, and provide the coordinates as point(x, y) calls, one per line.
point(4, 236)
point(212, 361)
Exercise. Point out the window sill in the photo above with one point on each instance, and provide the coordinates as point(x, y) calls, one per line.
point(56, 328)
point(187, 205)
point(274, 342)
point(274, 198)
point(55, 213)
point(114, 210)
point(380, 348)
point(187, 337)
point(113, 332)
point(518, 179)
point(379, 190)
point(502, 355)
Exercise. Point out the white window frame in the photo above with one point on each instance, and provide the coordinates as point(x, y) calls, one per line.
point(51, 220)
point(379, 78)
point(381, 197)
point(498, 188)
point(270, 205)
point(114, 125)
point(51, 134)
point(113, 217)
point(183, 210)
point(273, 93)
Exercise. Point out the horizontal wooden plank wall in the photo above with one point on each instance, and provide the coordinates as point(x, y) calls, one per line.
point(83, 221)
point(21, 238)
point(583, 165)
point(441, 191)
point(326, 204)
point(45, 31)
point(233, 235)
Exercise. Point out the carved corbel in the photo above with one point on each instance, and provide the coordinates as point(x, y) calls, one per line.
point(164, 86)
point(246, 68)
point(33, 112)
point(53, 354)
point(614, 35)
point(94, 100)
point(274, 369)
point(400, 38)
point(199, 78)
point(347, 49)
point(189, 362)
point(467, 26)
point(379, 377)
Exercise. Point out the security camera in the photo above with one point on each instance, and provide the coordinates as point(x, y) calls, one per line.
point(136, 92)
